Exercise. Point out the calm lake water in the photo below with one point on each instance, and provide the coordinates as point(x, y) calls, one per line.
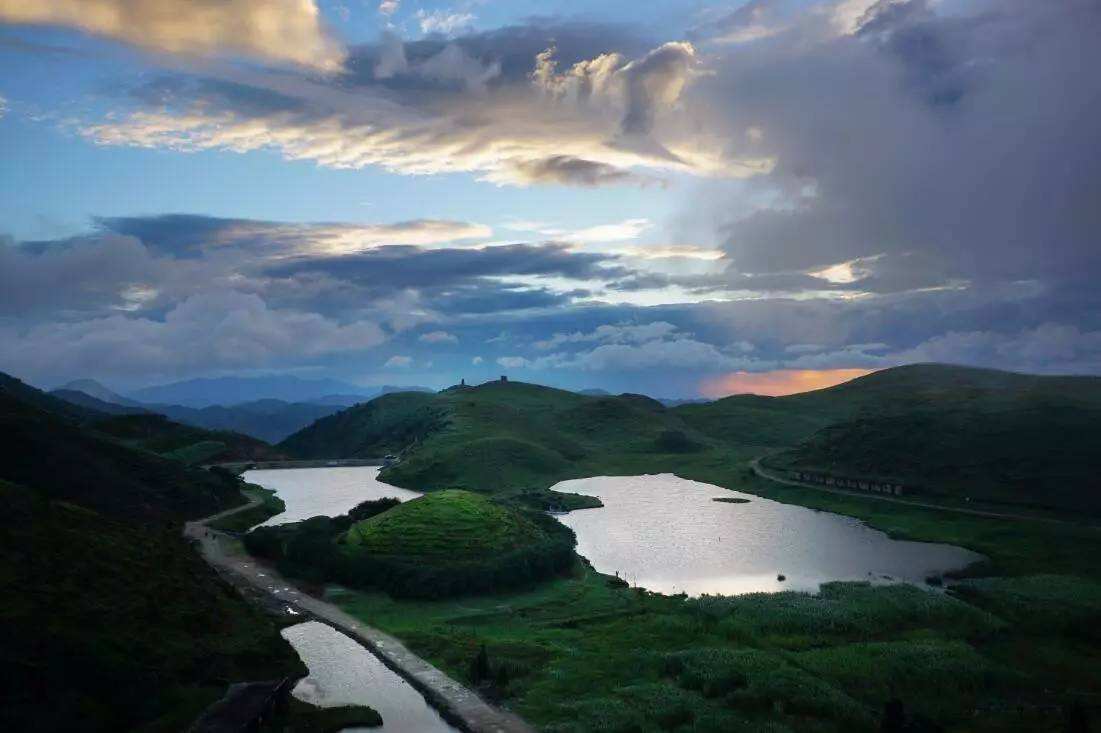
point(666, 534)
point(344, 673)
point(329, 492)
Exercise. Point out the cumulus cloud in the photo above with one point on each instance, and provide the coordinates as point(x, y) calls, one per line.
point(438, 337)
point(389, 7)
point(441, 106)
point(398, 362)
point(443, 22)
point(285, 31)
point(634, 347)
point(477, 360)
point(619, 333)
point(214, 330)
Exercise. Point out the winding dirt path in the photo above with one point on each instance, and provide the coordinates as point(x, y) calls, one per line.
point(459, 705)
point(764, 473)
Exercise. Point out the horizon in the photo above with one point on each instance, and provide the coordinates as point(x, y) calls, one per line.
point(764, 384)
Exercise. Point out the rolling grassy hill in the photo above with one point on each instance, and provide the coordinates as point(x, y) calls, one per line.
point(70, 462)
point(185, 443)
point(451, 525)
point(386, 424)
point(496, 436)
point(113, 622)
point(948, 431)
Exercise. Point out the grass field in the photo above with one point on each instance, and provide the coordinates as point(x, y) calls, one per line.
point(450, 525)
point(1011, 647)
point(581, 653)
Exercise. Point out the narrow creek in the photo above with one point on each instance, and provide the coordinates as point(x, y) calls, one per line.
point(343, 672)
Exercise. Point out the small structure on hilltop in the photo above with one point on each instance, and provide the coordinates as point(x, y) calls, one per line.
point(504, 378)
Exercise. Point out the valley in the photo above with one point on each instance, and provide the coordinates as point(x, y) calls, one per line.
point(574, 645)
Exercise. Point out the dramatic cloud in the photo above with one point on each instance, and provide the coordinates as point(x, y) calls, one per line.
point(215, 330)
point(273, 30)
point(940, 155)
point(475, 104)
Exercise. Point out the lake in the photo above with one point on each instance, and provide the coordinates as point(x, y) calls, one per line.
point(342, 672)
point(667, 534)
point(329, 491)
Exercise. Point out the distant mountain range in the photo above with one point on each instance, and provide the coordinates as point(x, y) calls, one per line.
point(268, 408)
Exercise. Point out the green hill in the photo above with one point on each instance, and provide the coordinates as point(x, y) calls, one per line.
point(496, 436)
point(386, 424)
point(1030, 451)
point(113, 622)
point(191, 445)
point(946, 430)
point(450, 525)
point(69, 462)
point(447, 543)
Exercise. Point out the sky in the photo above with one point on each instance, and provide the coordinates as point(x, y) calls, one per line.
point(677, 197)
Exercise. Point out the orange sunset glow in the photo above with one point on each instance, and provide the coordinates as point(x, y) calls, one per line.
point(778, 382)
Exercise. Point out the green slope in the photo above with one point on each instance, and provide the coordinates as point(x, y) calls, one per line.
point(496, 436)
point(384, 425)
point(185, 443)
point(949, 431)
point(73, 463)
point(112, 621)
point(114, 625)
point(451, 525)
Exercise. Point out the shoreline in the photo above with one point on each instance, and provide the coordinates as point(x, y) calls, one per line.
point(458, 705)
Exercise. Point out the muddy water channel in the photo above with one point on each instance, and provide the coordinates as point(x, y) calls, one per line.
point(667, 534)
point(342, 672)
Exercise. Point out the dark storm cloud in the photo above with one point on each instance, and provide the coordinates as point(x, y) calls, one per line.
point(969, 142)
point(403, 267)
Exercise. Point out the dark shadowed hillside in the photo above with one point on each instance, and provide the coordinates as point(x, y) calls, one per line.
point(945, 431)
point(66, 461)
point(117, 623)
point(184, 443)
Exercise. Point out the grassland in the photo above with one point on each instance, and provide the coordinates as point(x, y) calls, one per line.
point(582, 653)
point(450, 524)
point(948, 433)
point(1010, 648)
